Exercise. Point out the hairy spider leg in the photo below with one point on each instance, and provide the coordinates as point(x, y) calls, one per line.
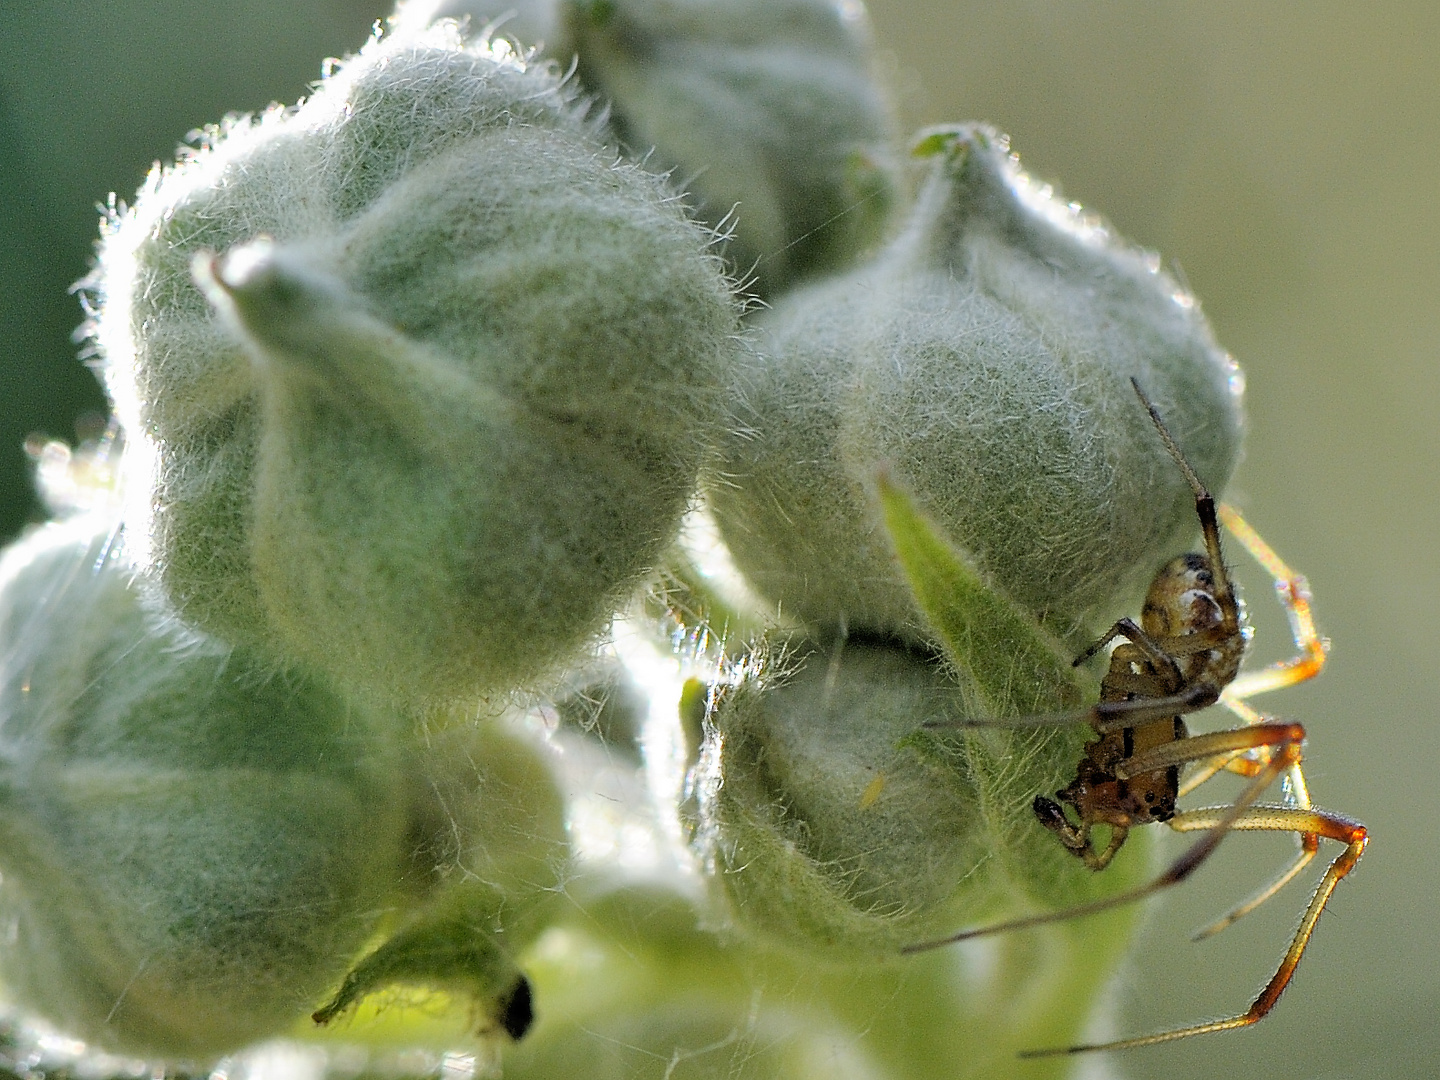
point(1103, 716)
point(1262, 818)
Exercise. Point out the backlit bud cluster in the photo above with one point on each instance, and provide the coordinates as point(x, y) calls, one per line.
point(940, 464)
point(417, 380)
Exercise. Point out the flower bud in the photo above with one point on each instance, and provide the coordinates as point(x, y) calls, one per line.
point(492, 813)
point(442, 402)
point(488, 859)
point(767, 109)
point(985, 358)
point(533, 23)
point(194, 844)
point(839, 826)
point(828, 828)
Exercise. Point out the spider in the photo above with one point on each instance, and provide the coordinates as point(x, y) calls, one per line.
point(1184, 656)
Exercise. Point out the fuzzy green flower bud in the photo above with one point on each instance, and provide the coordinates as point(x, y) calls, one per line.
point(194, 844)
point(985, 357)
point(837, 823)
point(442, 402)
point(765, 108)
point(823, 816)
point(489, 856)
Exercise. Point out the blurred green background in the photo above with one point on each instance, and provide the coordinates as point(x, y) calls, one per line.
point(1287, 158)
point(1284, 156)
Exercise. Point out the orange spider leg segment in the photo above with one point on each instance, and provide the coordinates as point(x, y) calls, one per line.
point(1262, 819)
point(1297, 796)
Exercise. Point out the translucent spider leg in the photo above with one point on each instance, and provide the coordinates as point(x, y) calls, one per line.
point(1309, 848)
point(1294, 595)
point(1261, 819)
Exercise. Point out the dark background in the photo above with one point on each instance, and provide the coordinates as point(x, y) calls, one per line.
point(1285, 156)
point(90, 96)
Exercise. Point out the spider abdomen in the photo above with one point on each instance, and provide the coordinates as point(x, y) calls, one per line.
point(1185, 602)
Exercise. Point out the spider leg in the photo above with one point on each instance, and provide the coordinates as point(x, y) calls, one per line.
point(1183, 866)
point(1259, 736)
point(1104, 716)
point(1161, 651)
point(1297, 797)
point(1248, 762)
point(1237, 761)
point(1293, 592)
point(1309, 848)
point(1123, 628)
point(1162, 659)
point(1205, 510)
point(1264, 819)
point(1197, 747)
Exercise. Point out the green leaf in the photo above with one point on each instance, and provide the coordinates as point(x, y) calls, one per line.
point(448, 948)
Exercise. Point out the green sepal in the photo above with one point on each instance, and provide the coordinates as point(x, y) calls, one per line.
point(452, 947)
point(1016, 666)
point(934, 140)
